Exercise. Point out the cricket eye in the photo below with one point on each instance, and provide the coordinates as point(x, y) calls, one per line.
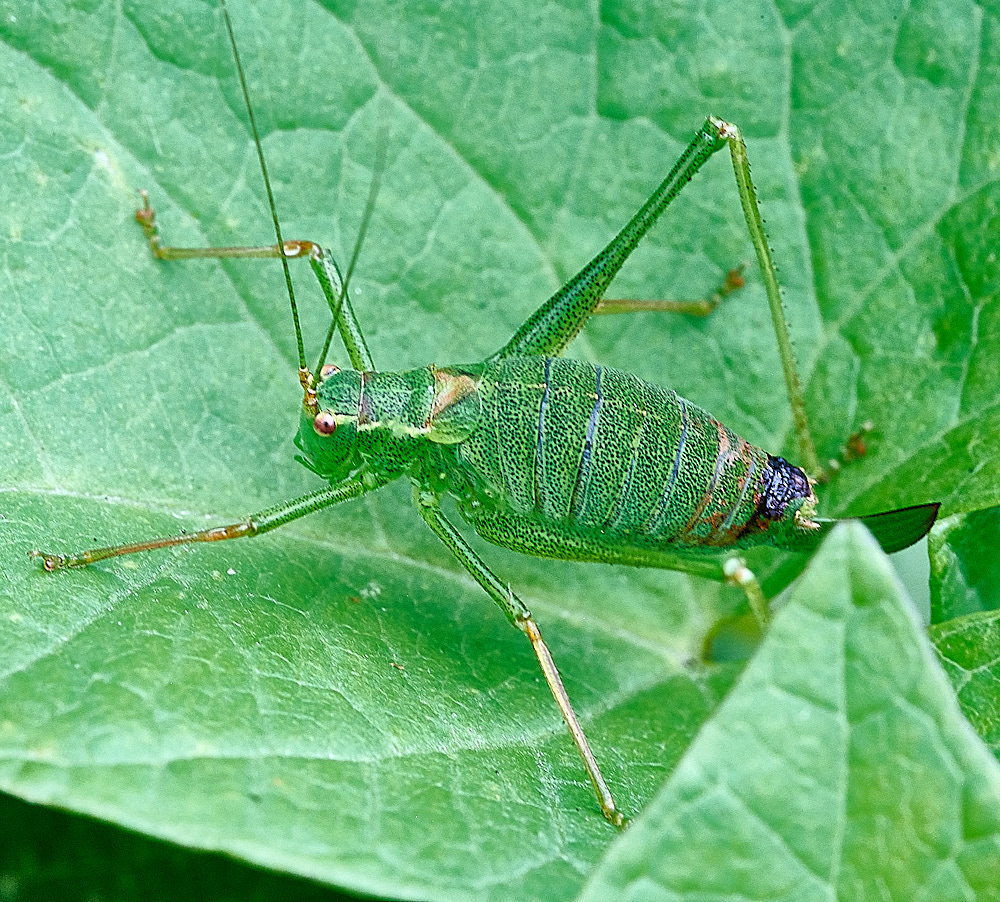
point(325, 423)
point(328, 370)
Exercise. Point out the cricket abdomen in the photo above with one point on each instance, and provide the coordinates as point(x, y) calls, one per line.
point(583, 461)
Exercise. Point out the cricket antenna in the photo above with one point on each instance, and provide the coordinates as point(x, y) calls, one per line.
point(366, 218)
point(305, 377)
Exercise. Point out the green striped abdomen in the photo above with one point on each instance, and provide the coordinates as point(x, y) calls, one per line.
point(572, 460)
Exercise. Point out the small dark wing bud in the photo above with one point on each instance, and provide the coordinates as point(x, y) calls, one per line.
point(783, 484)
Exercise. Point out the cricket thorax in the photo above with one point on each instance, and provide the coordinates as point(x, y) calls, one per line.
point(439, 403)
point(386, 419)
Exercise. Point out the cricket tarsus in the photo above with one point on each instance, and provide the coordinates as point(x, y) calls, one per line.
point(286, 250)
point(548, 456)
point(854, 448)
point(146, 217)
point(67, 561)
point(699, 307)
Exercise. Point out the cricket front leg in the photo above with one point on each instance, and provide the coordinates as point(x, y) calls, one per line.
point(254, 525)
point(333, 284)
point(428, 505)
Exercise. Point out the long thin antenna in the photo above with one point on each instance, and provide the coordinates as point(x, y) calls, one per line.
point(366, 218)
point(303, 369)
point(373, 190)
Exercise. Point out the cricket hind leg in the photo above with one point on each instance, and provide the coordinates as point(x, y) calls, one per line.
point(553, 326)
point(429, 507)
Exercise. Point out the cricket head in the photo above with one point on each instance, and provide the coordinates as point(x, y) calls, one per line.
point(382, 420)
point(328, 438)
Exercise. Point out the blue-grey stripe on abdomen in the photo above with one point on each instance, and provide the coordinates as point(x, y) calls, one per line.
point(585, 469)
point(655, 521)
point(540, 443)
point(619, 510)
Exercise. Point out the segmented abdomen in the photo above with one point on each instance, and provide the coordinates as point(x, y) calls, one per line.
point(597, 450)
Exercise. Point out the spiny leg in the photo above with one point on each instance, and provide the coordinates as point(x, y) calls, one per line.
point(428, 504)
point(254, 525)
point(554, 325)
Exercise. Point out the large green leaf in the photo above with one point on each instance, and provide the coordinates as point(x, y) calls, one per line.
point(244, 696)
point(969, 649)
point(865, 745)
point(965, 565)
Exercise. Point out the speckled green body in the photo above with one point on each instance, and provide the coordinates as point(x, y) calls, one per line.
point(548, 456)
point(587, 462)
point(561, 458)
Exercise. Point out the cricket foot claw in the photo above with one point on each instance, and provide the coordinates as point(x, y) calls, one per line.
point(50, 562)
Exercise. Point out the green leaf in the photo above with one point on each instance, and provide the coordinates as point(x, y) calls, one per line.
point(969, 649)
point(965, 565)
point(243, 696)
point(842, 722)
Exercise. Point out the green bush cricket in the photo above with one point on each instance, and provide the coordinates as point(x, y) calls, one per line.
point(549, 456)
